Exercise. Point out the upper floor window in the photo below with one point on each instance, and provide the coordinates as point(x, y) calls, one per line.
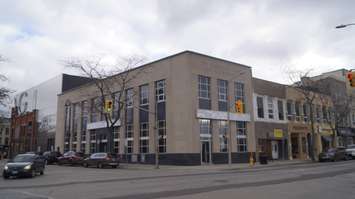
point(280, 108)
point(84, 114)
point(203, 87)
point(318, 113)
point(305, 112)
point(239, 93)
point(129, 98)
point(160, 91)
point(117, 99)
point(144, 94)
point(260, 106)
point(289, 110)
point(270, 107)
point(67, 117)
point(222, 90)
point(96, 107)
point(325, 114)
point(204, 92)
point(297, 110)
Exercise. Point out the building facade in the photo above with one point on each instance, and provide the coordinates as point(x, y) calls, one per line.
point(33, 116)
point(4, 135)
point(271, 130)
point(193, 97)
point(298, 111)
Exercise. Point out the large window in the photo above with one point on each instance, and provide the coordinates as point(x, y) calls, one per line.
point(144, 138)
point(270, 107)
point(297, 110)
point(129, 146)
point(160, 91)
point(205, 129)
point(162, 136)
point(129, 131)
point(117, 99)
point(96, 106)
point(204, 92)
point(239, 92)
point(76, 121)
point(223, 138)
point(325, 114)
point(222, 95)
point(260, 106)
point(290, 115)
point(241, 137)
point(144, 94)
point(305, 112)
point(129, 98)
point(280, 108)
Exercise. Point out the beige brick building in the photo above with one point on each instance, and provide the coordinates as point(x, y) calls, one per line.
point(194, 95)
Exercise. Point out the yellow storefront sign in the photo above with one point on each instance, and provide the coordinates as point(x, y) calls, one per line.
point(278, 133)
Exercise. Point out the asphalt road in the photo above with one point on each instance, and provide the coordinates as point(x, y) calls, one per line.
point(316, 180)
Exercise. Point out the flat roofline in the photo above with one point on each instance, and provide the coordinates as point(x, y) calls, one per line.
point(159, 60)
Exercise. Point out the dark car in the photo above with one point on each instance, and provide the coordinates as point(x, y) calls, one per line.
point(101, 160)
point(51, 157)
point(24, 165)
point(71, 158)
point(333, 154)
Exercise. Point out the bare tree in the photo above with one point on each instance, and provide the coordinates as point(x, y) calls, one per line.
point(304, 85)
point(111, 84)
point(337, 116)
point(4, 92)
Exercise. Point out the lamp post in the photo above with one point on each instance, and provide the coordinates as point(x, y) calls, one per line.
point(344, 25)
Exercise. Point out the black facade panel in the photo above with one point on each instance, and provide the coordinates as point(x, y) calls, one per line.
point(204, 104)
point(71, 81)
point(241, 157)
point(220, 158)
point(166, 159)
point(143, 114)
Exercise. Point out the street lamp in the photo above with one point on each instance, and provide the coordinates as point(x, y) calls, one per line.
point(344, 25)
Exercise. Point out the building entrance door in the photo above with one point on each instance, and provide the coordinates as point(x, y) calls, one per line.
point(205, 152)
point(275, 150)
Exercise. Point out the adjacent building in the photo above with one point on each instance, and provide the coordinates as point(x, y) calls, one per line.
point(271, 125)
point(193, 96)
point(33, 117)
point(4, 135)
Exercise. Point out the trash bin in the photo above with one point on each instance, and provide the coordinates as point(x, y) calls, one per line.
point(263, 158)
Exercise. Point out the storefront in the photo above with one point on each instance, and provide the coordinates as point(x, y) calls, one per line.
point(299, 135)
point(346, 136)
point(272, 140)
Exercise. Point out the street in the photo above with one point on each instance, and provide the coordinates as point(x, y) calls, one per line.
point(292, 180)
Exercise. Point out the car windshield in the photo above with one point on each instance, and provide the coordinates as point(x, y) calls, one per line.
point(98, 155)
point(23, 158)
point(69, 153)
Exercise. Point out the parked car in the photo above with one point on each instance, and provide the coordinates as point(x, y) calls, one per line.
point(71, 158)
point(333, 154)
point(51, 157)
point(24, 165)
point(350, 151)
point(101, 160)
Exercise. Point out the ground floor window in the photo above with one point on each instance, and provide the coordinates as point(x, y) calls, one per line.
point(241, 136)
point(73, 147)
point(117, 147)
point(223, 138)
point(143, 146)
point(92, 147)
point(129, 146)
point(162, 136)
point(82, 147)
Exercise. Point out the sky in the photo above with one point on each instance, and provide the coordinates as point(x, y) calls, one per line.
point(273, 37)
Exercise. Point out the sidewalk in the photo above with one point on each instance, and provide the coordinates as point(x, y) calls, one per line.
point(236, 166)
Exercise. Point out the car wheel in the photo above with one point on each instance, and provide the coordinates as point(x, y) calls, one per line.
point(86, 165)
point(114, 166)
point(42, 172)
point(5, 176)
point(33, 173)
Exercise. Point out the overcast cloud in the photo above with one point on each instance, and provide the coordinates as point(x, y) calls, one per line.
point(270, 35)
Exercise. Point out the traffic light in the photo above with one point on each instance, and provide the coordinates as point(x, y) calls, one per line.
point(108, 106)
point(239, 106)
point(351, 78)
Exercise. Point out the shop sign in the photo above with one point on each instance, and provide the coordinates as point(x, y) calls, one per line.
point(278, 133)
